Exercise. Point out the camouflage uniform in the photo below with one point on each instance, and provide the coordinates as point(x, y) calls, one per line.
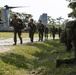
point(40, 30)
point(16, 23)
point(46, 30)
point(32, 29)
point(71, 38)
point(53, 30)
point(70, 33)
point(59, 31)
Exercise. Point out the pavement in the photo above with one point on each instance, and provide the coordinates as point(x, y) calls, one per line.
point(6, 44)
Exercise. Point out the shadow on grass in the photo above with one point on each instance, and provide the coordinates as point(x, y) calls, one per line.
point(45, 58)
point(15, 60)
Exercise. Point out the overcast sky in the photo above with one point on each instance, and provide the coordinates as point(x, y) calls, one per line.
point(54, 8)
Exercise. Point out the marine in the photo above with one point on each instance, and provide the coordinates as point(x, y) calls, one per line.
point(40, 27)
point(71, 41)
point(16, 23)
point(32, 29)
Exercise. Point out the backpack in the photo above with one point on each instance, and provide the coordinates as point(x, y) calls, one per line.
point(63, 36)
point(69, 33)
point(21, 24)
point(70, 26)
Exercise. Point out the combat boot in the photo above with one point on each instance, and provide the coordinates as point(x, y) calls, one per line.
point(14, 43)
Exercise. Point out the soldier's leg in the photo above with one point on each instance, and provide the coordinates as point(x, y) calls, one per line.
point(19, 35)
point(59, 34)
point(41, 36)
point(45, 35)
point(15, 37)
point(53, 35)
point(29, 34)
point(69, 45)
point(32, 36)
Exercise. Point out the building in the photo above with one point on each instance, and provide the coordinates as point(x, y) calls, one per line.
point(43, 17)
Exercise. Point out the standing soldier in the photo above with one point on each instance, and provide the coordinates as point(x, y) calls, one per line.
point(32, 29)
point(59, 31)
point(17, 23)
point(40, 30)
point(53, 30)
point(46, 32)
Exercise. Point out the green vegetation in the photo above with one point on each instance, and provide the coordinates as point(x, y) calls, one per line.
point(38, 58)
point(11, 34)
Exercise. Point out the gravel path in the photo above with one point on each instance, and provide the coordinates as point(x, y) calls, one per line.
point(7, 44)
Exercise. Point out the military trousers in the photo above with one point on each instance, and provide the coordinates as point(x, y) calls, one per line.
point(19, 35)
point(53, 34)
point(46, 35)
point(31, 36)
point(41, 36)
point(69, 45)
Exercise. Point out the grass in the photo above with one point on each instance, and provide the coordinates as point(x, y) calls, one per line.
point(38, 58)
point(11, 34)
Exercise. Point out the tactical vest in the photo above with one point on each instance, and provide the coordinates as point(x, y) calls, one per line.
point(69, 33)
point(41, 27)
point(70, 26)
point(17, 23)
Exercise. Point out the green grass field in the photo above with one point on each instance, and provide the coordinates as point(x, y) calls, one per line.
point(38, 58)
point(11, 34)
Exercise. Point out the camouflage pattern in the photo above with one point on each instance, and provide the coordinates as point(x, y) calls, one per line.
point(53, 31)
point(32, 29)
point(46, 30)
point(63, 36)
point(71, 42)
point(40, 27)
point(68, 35)
point(16, 24)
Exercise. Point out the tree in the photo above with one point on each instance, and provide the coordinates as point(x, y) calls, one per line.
point(59, 20)
point(24, 16)
point(72, 5)
point(51, 21)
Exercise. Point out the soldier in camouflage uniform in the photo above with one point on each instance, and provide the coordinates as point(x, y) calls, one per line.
point(69, 31)
point(53, 31)
point(17, 23)
point(40, 27)
point(46, 30)
point(32, 29)
point(59, 31)
point(71, 38)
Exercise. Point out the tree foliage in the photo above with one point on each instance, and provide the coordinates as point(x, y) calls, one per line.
point(72, 5)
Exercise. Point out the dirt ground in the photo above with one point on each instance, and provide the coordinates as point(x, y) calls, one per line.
point(6, 44)
point(5, 48)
